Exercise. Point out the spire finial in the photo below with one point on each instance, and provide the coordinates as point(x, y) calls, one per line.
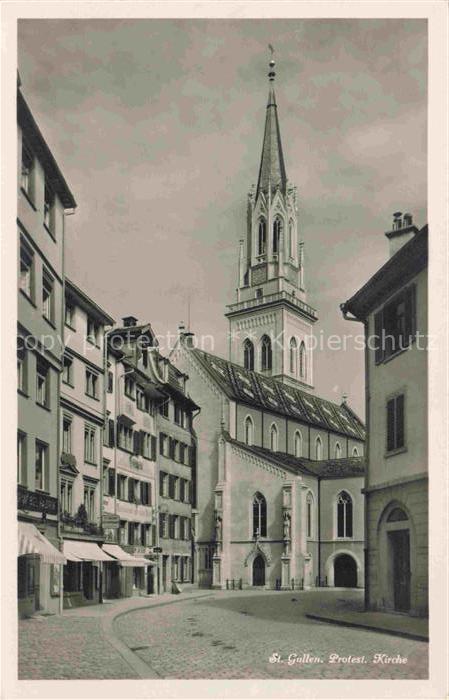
point(271, 74)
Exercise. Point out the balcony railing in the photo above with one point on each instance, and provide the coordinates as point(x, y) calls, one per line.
point(36, 502)
point(271, 298)
point(76, 523)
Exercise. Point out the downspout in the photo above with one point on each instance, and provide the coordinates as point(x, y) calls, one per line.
point(344, 311)
point(105, 375)
point(319, 531)
point(58, 439)
point(194, 498)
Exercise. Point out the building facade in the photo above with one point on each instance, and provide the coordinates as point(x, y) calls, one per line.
point(43, 196)
point(82, 421)
point(393, 307)
point(280, 471)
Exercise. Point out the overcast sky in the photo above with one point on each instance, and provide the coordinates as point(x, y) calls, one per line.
point(157, 126)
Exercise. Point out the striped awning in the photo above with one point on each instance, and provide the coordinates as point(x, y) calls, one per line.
point(80, 550)
point(31, 541)
point(123, 558)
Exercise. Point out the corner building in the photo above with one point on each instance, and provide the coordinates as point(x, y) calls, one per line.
point(279, 470)
point(393, 306)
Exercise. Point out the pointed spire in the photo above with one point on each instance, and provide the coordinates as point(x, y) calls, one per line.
point(272, 168)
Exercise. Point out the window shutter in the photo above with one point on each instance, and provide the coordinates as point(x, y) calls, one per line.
point(172, 448)
point(111, 425)
point(378, 327)
point(136, 442)
point(410, 314)
point(400, 421)
point(161, 483)
point(390, 425)
point(149, 499)
point(161, 443)
point(153, 447)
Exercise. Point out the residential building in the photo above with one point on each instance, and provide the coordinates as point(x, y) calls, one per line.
point(393, 307)
point(280, 470)
point(43, 197)
point(82, 421)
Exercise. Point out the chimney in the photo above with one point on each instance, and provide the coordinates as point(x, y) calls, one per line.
point(189, 340)
point(402, 231)
point(129, 321)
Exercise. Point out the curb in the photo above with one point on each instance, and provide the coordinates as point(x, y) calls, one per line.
point(372, 628)
point(140, 667)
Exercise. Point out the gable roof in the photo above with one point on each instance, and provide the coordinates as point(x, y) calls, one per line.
point(254, 389)
point(322, 469)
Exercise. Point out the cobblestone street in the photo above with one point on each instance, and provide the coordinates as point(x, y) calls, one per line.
point(213, 635)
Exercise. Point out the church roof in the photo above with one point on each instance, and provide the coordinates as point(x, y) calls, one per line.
point(272, 395)
point(323, 469)
point(272, 168)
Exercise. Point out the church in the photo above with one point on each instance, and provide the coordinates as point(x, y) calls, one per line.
point(279, 471)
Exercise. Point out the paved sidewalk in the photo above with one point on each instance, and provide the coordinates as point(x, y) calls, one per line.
point(81, 643)
point(351, 613)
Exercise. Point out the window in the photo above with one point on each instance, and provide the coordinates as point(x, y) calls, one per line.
point(293, 355)
point(171, 486)
point(121, 487)
point(274, 438)
point(132, 491)
point(67, 434)
point(337, 450)
point(22, 366)
point(182, 490)
point(395, 324)
point(21, 458)
point(129, 387)
point(48, 296)
point(26, 279)
point(42, 470)
point(142, 400)
point(164, 445)
point(122, 532)
point(179, 415)
point(262, 237)
point(355, 452)
point(318, 448)
point(125, 437)
point(145, 493)
point(309, 515)
point(145, 444)
point(266, 354)
point(91, 384)
point(69, 314)
point(110, 382)
point(108, 481)
point(259, 516)
point(395, 423)
point(163, 525)
point(344, 515)
point(66, 496)
point(298, 444)
point(42, 383)
point(397, 515)
point(49, 208)
point(302, 361)
point(67, 370)
point(90, 436)
point(291, 239)
point(164, 408)
point(27, 174)
point(248, 354)
point(93, 331)
point(249, 431)
point(277, 230)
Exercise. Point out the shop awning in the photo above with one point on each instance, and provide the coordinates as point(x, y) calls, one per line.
point(123, 558)
point(31, 541)
point(78, 550)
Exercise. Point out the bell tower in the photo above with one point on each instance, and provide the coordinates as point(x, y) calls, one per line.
point(271, 324)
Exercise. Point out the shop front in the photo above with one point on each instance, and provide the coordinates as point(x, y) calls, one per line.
point(83, 573)
point(38, 572)
point(128, 575)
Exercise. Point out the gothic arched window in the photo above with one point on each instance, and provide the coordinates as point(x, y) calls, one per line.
point(318, 448)
point(293, 355)
point(248, 354)
point(266, 355)
point(337, 450)
point(262, 237)
point(291, 234)
point(344, 515)
point(274, 438)
point(298, 444)
point(249, 431)
point(302, 361)
point(259, 516)
point(309, 515)
point(355, 452)
point(277, 230)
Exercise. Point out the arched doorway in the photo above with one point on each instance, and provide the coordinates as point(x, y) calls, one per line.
point(345, 572)
point(259, 571)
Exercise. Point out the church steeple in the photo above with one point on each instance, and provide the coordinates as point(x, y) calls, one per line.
point(271, 321)
point(272, 167)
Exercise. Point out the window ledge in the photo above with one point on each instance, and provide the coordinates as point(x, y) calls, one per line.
point(91, 396)
point(72, 386)
point(393, 453)
point(28, 298)
point(28, 198)
point(41, 405)
point(72, 328)
point(23, 393)
point(49, 231)
point(49, 321)
point(92, 464)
